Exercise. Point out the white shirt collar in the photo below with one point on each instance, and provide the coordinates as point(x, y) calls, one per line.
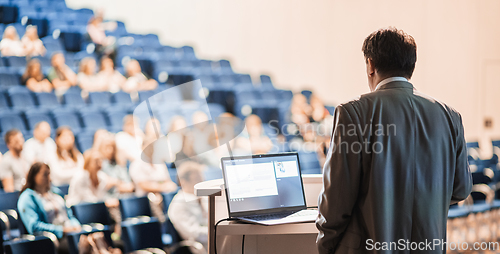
point(387, 80)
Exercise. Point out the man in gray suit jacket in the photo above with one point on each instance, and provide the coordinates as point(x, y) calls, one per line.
point(397, 161)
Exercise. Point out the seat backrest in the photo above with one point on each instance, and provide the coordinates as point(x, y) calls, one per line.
point(137, 234)
point(93, 120)
point(67, 119)
point(8, 122)
point(134, 207)
point(121, 98)
point(88, 213)
point(46, 100)
point(73, 99)
point(100, 98)
point(39, 245)
point(33, 119)
point(22, 100)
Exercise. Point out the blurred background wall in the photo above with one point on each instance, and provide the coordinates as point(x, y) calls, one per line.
point(316, 44)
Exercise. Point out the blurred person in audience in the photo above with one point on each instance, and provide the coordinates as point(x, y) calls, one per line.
point(13, 167)
point(11, 45)
point(254, 138)
point(148, 176)
point(187, 212)
point(87, 78)
point(34, 79)
point(42, 207)
point(41, 147)
point(68, 160)
point(167, 147)
point(60, 75)
point(300, 110)
point(109, 76)
point(136, 80)
point(96, 30)
point(33, 46)
point(318, 109)
point(152, 130)
point(91, 185)
point(129, 141)
point(115, 165)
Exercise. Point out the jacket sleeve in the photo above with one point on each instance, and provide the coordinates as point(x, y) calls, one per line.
point(462, 184)
point(31, 217)
point(341, 178)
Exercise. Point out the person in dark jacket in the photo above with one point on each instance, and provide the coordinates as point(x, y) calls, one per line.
point(396, 162)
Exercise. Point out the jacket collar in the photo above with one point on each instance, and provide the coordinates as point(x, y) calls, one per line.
point(396, 84)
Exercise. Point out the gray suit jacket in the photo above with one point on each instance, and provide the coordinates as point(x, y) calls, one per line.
point(397, 160)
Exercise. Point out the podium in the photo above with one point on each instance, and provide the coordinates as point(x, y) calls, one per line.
point(286, 238)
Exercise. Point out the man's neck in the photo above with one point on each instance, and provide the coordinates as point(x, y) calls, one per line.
point(15, 154)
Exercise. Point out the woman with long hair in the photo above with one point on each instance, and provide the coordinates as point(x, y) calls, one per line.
point(42, 207)
point(87, 78)
point(108, 75)
point(68, 159)
point(32, 43)
point(34, 79)
point(114, 165)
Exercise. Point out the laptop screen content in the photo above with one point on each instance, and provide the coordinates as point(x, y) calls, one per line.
point(260, 184)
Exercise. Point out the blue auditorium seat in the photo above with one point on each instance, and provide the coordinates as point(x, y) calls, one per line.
point(46, 100)
point(16, 61)
point(68, 119)
point(18, 89)
point(85, 140)
point(9, 79)
point(39, 245)
point(8, 14)
point(3, 101)
point(115, 117)
point(134, 207)
point(88, 213)
point(121, 98)
point(71, 40)
point(8, 122)
point(93, 119)
point(215, 110)
point(37, 117)
point(309, 163)
point(141, 234)
point(331, 109)
point(8, 207)
point(101, 99)
point(74, 100)
point(22, 100)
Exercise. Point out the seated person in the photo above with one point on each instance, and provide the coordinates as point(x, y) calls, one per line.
point(109, 76)
point(148, 176)
point(10, 45)
point(129, 141)
point(87, 78)
point(187, 212)
point(41, 147)
point(68, 160)
point(96, 30)
point(318, 109)
point(114, 165)
point(91, 185)
point(60, 75)
point(136, 80)
point(42, 208)
point(34, 79)
point(13, 167)
point(167, 147)
point(33, 46)
point(255, 139)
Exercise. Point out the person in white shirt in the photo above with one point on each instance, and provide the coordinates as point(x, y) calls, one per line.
point(33, 46)
point(148, 176)
point(13, 167)
point(11, 45)
point(129, 141)
point(109, 76)
point(187, 212)
point(136, 80)
point(40, 148)
point(91, 185)
point(87, 78)
point(68, 160)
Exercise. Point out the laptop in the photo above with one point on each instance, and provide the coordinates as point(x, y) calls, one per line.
point(266, 189)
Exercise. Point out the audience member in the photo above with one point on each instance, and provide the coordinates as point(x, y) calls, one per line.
point(13, 167)
point(109, 76)
point(34, 79)
point(42, 207)
point(91, 185)
point(96, 30)
point(167, 147)
point(68, 160)
point(10, 44)
point(300, 110)
point(187, 212)
point(114, 165)
point(136, 80)
point(41, 147)
point(61, 75)
point(129, 141)
point(33, 46)
point(150, 177)
point(152, 130)
point(87, 78)
point(254, 138)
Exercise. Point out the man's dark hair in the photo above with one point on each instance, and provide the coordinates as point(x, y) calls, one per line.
point(10, 134)
point(392, 51)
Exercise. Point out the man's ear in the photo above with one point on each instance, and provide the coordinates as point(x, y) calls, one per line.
point(370, 69)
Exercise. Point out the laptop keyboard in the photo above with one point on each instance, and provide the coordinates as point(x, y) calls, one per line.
point(263, 217)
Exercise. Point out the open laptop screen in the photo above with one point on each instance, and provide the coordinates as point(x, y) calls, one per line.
point(263, 183)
